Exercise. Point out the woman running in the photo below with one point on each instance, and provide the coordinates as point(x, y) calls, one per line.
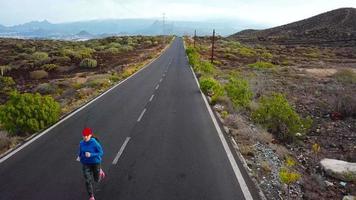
point(90, 154)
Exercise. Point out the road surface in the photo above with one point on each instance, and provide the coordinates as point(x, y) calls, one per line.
point(159, 142)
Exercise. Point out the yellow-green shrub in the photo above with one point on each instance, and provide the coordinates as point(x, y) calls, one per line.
point(261, 65)
point(211, 87)
point(238, 90)
point(88, 63)
point(28, 113)
point(279, 117)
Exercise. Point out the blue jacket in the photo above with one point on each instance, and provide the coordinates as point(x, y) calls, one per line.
point(95, 150)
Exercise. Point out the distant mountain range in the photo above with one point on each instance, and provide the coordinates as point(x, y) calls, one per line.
point(333, 26)
point(102, 28)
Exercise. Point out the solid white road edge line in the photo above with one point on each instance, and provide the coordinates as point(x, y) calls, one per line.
point(7, 156)
point(143, 112)
point(230, 156)
point(118, 155)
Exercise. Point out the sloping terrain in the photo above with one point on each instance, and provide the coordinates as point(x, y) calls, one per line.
point(336, 25)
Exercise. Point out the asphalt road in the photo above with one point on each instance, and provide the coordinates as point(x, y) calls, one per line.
point(170, 147)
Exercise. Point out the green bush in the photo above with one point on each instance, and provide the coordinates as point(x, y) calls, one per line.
point(49, 67)
point(246, 52)
point(78, 54)
point(46, 88)
point(193, 56)
point(211, 87)
point(345, 76)
point(40, 56)
point(266, 56)
point(6, 84)
point(261, 65)
point(112, 50)
point(238, 90)
point(28, 113)
point(62, 60)
point(279, 117)
point(88, 63)
point(205, 67)
point(126, 48)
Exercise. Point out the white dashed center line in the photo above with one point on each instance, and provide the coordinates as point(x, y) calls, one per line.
point(152, 97)
point(157, 87)
point(114, 162)
point(143, 112)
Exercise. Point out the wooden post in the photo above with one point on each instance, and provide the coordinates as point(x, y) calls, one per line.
point(212, 47)
point(195, 36)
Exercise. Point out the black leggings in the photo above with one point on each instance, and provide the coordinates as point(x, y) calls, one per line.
point(91, 174)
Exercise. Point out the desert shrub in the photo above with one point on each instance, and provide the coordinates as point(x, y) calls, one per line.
point(233, 44)
point(211, 87)
point(279, 117)
point(28, 113)
point(261, 65)
point(112, 50)
point(6, 84)
point(88, 63)
point(193, 56)
point(266, 56)
point(46, 88)
point(5, 141)
point(29, 50)
point(246, 52)
point(100, 48)
point(288, 175)
point(4, 69)
point(239, 91)
point(346, 76)
point(38, 74)
point(62, 59)
point(128, 71)
point(205, 67)
point(49, 67)
point(148, 43)
point(114, 45)
point(126, 48)
point(99, 83)
point(78, 54)
point(114, 78)
point(346, 105)
point(40, 58)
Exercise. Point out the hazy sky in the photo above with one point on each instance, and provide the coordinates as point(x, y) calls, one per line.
point(268, 12)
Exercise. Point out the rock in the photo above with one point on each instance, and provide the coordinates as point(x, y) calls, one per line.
point(327, 183)
point(343, 184)
point(349, 198)
point(38, 74)
point(339, 169)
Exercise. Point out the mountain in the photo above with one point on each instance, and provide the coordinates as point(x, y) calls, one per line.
point(98, 28)
point(335, 25)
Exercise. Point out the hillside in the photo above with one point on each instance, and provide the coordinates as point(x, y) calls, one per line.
point(335, 25)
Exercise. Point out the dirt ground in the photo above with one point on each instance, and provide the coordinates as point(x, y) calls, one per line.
point(312, 78)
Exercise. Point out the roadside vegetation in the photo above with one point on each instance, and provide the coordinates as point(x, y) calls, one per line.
point(42, 80)
point(284, 103)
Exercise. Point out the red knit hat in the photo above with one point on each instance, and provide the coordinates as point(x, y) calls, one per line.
point(87, 131)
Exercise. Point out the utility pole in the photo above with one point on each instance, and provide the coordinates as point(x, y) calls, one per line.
point(195, 36)
point(212, 47)
point(163, 28)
